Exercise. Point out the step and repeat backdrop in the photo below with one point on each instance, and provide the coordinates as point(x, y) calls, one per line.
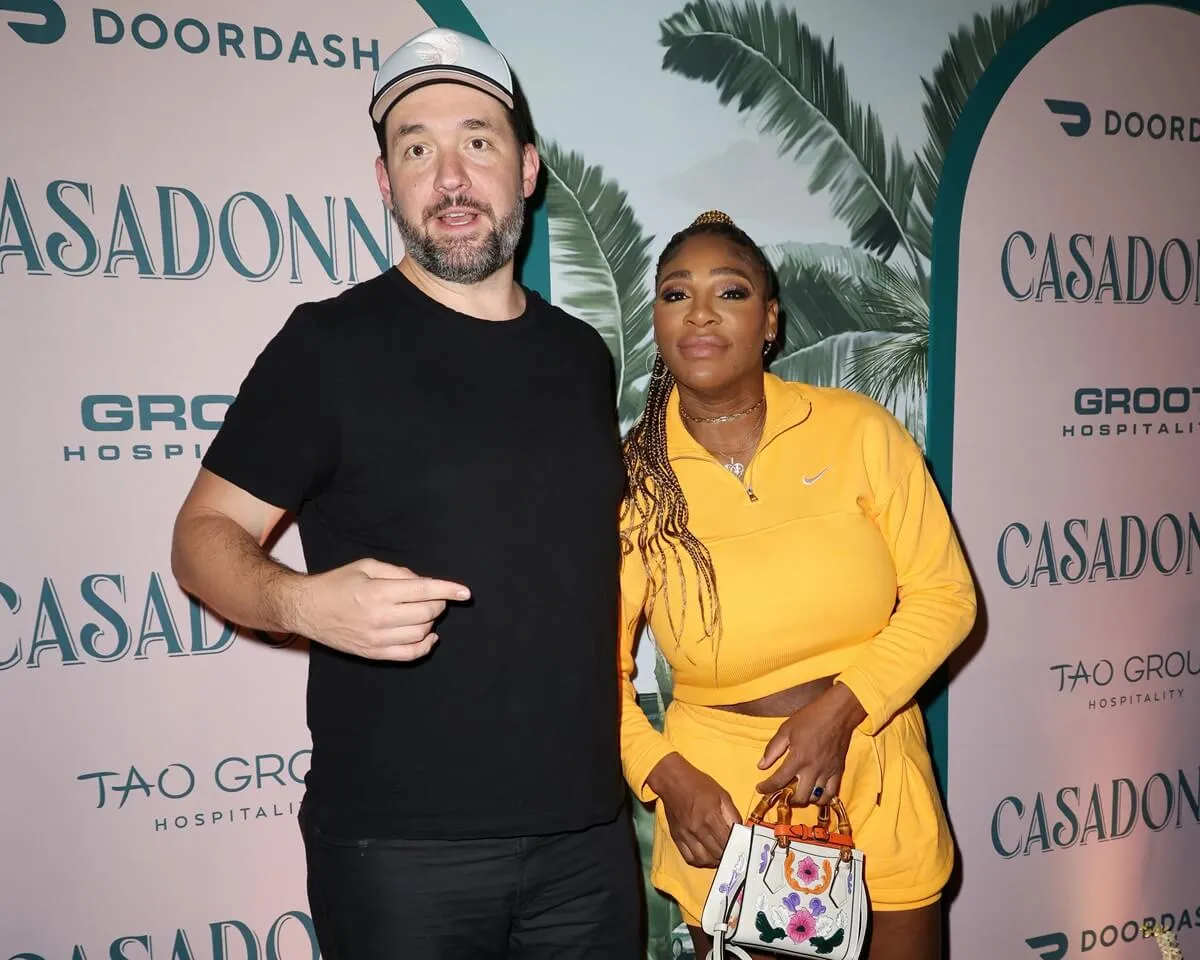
point(1066, 426)
point(175, 179)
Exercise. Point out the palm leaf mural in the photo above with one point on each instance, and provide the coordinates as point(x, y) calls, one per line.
point(971, 49)
point(772, 65)
point(825, 290)
point(602, 250)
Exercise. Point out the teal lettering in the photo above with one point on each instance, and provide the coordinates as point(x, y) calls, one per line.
point(182, 949)
point(356, 227)
point(1187, 793)
point(1006, 264)
point(57, 243)
point(168, 217)
point(1094, 822)
point(228, 235)
point(1070, 821)
point(331, 44)
point(273, 952)
point(1163, 278)
point(155, 41)
point(1045, 562)
point(1110, 274)
point(1039, 833)
point(14, 219)
point(158, 622)
point(997, 844)
point(1102, 556)
point(1051, 273)
point(1077, 554)
point(261, 52)
point(198, 47)
point(221, 943)
point(230, 37)
point(127, 228)
point(1117, 830)
point(1129, 523)
point(101, 16)
point(1002, 550)
point(372, 54)
point(12, 600)
point(301, 47)
point(1156, 554)
point(116, 950)
point(299, 225)
point(1136, 244)
point(50, 628)
point(1085, 268)
point(92, 633)
point(1168, 802)
point(199, 623)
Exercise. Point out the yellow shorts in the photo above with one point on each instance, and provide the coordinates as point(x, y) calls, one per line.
point(905, 839)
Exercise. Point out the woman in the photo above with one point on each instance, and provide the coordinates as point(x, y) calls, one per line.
point(800, 574)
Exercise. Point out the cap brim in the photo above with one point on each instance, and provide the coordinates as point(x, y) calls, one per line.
point(393, 91)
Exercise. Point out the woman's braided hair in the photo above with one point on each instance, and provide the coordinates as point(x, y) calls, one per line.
point(654, 497)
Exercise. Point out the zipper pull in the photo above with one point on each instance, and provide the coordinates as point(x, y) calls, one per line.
point(750, 492)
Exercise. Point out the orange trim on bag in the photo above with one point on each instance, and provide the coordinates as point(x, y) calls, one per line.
point(789, 874)
point(813, 835)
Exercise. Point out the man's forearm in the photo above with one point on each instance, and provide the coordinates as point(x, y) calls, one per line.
point(225, 568)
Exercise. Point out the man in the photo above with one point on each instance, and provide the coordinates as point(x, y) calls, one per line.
point(447, 441)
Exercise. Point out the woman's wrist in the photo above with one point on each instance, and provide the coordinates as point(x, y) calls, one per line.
point(664, 773)
point(845, 706)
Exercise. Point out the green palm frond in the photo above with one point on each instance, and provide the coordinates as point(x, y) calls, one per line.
point(970, 52)
point(894, 371)
point(848, 262)
point(825, 363)
point(825, 290)
point(665, 678)
point(602, 250)
point(771, 64)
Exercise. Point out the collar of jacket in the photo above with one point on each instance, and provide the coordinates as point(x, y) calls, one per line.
point(787, 407)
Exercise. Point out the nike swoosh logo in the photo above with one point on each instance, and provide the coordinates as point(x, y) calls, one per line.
point(809, 481)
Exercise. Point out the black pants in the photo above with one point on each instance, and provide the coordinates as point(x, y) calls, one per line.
point(573, 896)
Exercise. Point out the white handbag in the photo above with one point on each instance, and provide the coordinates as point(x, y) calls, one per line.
point(795, 891)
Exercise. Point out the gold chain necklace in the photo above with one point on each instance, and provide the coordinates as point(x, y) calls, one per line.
point(735, 466)
point(725, 418)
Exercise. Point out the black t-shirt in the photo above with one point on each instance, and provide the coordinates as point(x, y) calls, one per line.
point(481, 452)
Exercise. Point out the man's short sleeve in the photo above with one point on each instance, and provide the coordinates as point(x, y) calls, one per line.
point(279, 440)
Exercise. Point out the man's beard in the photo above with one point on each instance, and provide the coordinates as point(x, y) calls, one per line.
point(463, 259)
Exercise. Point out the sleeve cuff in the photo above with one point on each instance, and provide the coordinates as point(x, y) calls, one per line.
point(639, 769)
point(869, 696)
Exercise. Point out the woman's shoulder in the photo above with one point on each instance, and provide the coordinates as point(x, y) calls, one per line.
point(861, 421)
point(844, 404)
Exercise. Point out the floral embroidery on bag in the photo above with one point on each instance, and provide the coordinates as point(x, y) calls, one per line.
point(801, 926)
point(807, 877)
point(766, 932)
point(765, 859)
point(738, 869)
point(810, 923)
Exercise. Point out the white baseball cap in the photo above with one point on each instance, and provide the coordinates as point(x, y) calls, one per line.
point(441, 56)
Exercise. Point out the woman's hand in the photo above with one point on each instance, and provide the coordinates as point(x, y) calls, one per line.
point(699, 811)
point(813, 742)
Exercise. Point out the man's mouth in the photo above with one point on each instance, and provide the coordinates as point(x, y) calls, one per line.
point(458, 217)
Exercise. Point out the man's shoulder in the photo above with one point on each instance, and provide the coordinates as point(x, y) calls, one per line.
point(340, 317)
point(363, 299)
